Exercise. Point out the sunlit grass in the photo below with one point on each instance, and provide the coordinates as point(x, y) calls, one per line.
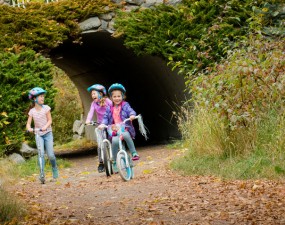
point(253, 153)
point(75, 145)
point(31, 167)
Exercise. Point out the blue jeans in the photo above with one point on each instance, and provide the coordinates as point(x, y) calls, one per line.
point(128, 139)
point(45, 142)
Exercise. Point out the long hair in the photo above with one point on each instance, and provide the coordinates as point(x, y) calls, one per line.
point(103, 100)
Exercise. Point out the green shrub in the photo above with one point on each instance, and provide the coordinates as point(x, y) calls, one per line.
point(19, 72)
point(68, 108)
point(247, 85)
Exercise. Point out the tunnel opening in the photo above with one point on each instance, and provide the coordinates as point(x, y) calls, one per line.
point(153, 89)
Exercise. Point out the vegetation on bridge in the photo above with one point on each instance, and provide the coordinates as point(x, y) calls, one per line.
point(232, 56)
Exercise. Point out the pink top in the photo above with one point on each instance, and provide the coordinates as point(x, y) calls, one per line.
point(100, 110)
point(40, 118)
point(116, 114)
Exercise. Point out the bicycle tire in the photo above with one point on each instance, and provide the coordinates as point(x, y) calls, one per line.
point(107, 160)
point(124, 171)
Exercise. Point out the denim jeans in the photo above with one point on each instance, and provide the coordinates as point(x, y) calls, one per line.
point(128, 139)
point(45, 143)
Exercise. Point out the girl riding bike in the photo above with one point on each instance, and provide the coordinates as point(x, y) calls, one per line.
point(99, 105)
point(116, 114)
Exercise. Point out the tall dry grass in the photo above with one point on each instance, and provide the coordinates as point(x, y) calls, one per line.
point(257, 151)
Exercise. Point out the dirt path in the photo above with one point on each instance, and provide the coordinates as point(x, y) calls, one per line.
point(156, 195)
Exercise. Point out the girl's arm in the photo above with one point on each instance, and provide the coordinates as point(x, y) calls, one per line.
point(130, 111)
point(28, 125)
point(49, 121)
point(90, 114)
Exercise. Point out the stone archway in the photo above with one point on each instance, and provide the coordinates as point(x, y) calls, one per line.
point(152, 88)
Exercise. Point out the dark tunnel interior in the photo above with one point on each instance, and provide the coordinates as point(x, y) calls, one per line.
point(153, 90)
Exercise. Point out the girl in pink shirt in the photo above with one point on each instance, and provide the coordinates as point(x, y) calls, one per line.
point(41, 116)
point(99, 105)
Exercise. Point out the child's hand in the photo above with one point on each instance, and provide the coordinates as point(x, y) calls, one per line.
point(101, 126)
point(114, 127)
point(132, 117)
point(31, 130)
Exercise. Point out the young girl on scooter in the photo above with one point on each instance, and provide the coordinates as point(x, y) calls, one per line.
point(116, 114)
point(41, 115)
point(99, 105)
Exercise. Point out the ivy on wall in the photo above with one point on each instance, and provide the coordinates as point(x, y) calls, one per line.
point(42, 27)
point(194, 35)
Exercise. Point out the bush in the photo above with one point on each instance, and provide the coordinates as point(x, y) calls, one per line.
point(19, 72)
point(68, 107)
point(247, 85)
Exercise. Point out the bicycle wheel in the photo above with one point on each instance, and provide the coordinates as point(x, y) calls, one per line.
point(107, 159)
point(124, 171)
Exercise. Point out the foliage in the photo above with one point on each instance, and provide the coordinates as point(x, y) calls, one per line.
point(19, 72)
point(247, 85)
point(193, 35)
point(10, 208)
point(68, 107)
point(44, 26)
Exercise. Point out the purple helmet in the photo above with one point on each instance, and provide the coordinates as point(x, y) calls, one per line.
point(36, 91)
point(97, 87)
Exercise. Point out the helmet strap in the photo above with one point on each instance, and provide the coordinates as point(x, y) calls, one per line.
point(36, 101)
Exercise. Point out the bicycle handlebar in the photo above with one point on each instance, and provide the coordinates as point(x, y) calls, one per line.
point(136, 117)
point(93, 123)
point(35, 130)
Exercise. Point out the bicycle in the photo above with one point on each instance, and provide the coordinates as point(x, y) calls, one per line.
point(123, 159)
point(105, 148)
point(41, 160)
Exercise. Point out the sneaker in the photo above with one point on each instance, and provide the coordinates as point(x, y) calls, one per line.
point(54, 173)
point(115, 168)
point(135, 157)
point(101, 167)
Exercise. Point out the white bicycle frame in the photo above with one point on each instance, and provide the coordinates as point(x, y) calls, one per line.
point(101, 139)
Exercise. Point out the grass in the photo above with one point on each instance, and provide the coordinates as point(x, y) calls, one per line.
point(75, 145)
point(31, 167)
point(253, 153)
point(11, 209)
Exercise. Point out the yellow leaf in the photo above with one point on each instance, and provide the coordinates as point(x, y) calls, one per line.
point(147, 171)
point(6, 122)
point(4, 114)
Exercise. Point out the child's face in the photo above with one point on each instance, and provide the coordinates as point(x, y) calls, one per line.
point(40, 99)
point(94, 95)
point(117, 97)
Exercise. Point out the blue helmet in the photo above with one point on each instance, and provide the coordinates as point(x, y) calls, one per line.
point(97, 87)
point(36, 91)
point(116, 86)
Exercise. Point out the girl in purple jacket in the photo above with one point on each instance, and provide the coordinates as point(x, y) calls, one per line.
point(99, 105)
point(117, 113)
